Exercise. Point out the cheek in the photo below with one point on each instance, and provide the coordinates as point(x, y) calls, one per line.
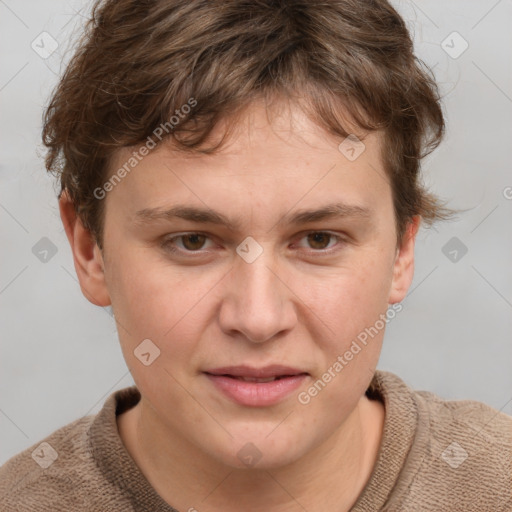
point(349, 300)
point(354, 308)
point(151, 302)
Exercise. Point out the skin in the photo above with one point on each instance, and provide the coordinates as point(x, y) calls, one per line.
point(294, 305)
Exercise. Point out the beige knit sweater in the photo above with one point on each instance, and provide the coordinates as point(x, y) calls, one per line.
point(435, 455)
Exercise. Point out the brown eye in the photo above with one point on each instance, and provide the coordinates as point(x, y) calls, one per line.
point(319, 240)
point(193, 242)
point(187, 244)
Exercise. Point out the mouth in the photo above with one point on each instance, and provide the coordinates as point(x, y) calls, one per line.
point(256, 387)
point(255, 379)
point(251, 374)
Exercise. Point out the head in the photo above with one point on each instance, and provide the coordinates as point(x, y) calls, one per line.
point(260, 114)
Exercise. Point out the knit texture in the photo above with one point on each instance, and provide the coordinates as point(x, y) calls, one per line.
point(435, 455)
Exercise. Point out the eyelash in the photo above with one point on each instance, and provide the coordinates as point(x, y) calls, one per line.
point(167, 244)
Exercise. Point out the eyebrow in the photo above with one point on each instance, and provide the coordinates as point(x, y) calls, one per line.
point(209, 216)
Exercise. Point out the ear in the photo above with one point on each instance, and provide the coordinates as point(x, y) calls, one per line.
point(86, 254)
point(403, 267)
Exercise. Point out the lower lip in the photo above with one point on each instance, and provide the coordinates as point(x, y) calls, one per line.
point(257, 394)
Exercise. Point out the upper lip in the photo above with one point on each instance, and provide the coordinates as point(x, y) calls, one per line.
point(274, 370)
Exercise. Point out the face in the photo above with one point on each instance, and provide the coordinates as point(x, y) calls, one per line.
point(254, 287)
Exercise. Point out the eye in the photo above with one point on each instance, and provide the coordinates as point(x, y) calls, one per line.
point(318, 242)
point(190, 242)
point(321, 240)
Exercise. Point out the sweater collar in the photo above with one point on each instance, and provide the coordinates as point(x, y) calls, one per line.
point(113, 459)
point(392, 469)
point(400, 426)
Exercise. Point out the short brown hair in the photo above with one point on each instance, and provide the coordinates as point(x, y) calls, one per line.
point(139, 61)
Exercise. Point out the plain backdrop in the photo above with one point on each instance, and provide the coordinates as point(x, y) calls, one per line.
point(60, 356)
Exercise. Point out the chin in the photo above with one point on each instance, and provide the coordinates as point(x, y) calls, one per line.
point(261, 452)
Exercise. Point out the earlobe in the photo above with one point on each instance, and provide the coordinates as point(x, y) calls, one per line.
point(403, 268)
point(87, 256)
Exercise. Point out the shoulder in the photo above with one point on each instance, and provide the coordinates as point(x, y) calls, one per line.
point(58, 473)
point(461, 457)
point(481, 430)
point(45, 470)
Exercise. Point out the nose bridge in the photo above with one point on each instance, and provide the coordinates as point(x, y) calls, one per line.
point(256, 282)
point(258, 303)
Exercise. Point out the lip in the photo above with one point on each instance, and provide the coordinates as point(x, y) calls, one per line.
point(273, 370)
point(256, 394)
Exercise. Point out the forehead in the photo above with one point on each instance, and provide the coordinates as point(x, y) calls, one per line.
point(271, 156)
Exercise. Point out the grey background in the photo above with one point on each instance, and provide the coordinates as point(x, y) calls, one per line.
point(60, 356)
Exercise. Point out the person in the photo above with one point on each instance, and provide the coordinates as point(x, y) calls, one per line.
point(240, 181)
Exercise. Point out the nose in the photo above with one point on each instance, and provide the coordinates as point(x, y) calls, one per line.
point(257, 303)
